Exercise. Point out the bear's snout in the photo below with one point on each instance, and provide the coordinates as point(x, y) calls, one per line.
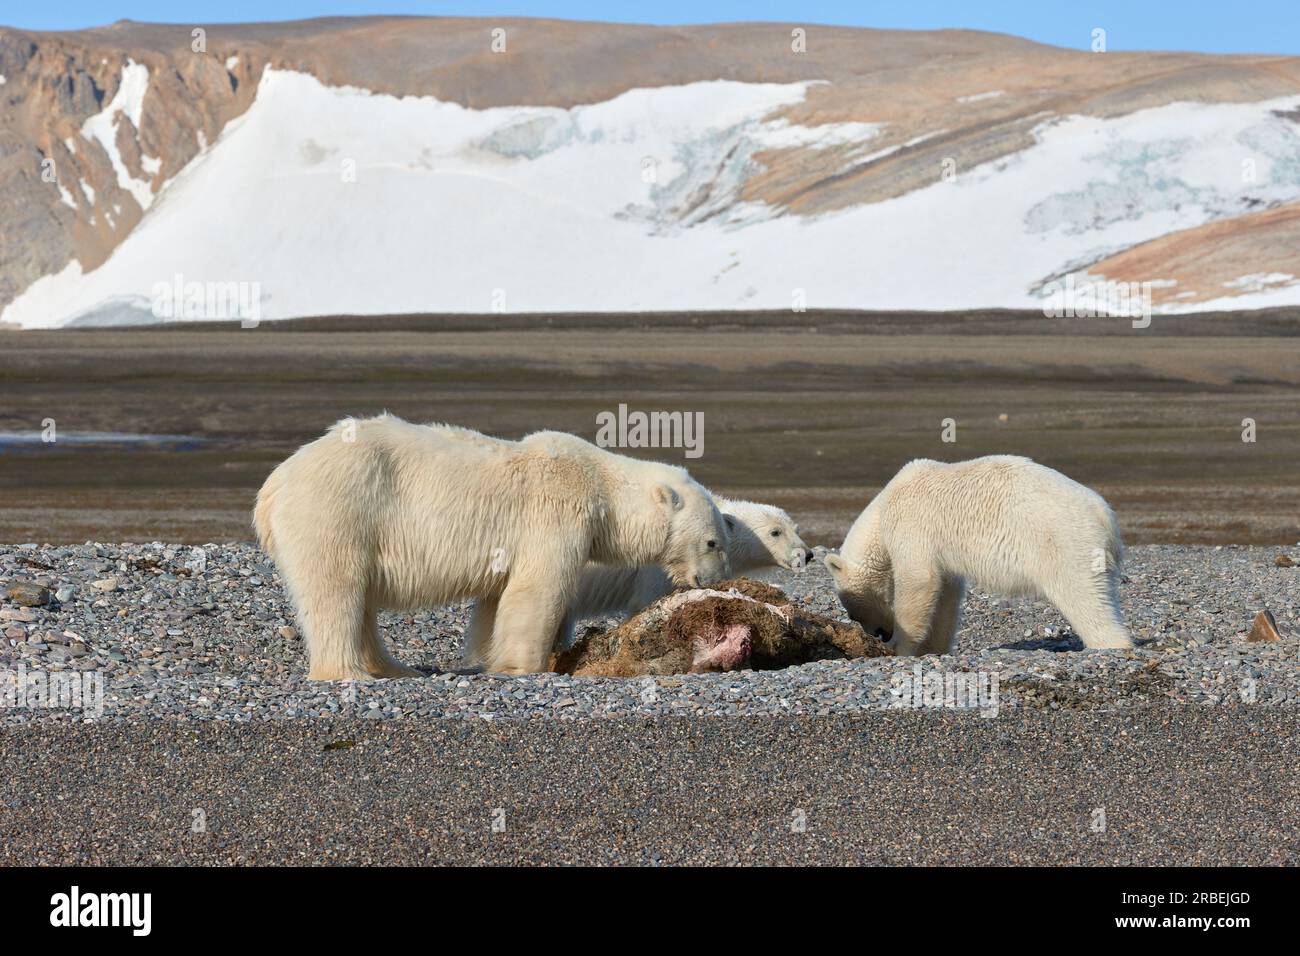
point(800, 558)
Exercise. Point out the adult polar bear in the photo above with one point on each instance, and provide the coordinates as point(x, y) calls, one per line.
point(381, 513)
point(760, 536)
point(1005, 523)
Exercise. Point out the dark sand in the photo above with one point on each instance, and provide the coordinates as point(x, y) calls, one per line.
point(1187, 786)
point(813, 412)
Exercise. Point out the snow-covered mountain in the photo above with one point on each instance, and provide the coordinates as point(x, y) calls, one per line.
point(397, 165)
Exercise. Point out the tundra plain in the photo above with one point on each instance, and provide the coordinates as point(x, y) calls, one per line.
point(810, 411)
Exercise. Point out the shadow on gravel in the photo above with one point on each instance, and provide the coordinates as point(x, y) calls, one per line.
point(1059, 644)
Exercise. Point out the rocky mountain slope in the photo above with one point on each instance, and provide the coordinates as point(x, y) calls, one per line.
point(400, 164)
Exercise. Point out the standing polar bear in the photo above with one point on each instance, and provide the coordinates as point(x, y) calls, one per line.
point(760, 536)
point(1002, 522)
point(381, 513)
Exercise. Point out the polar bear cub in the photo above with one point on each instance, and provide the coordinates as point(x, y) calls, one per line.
point(381, 513)
point(1004, 523)
point(760, 536)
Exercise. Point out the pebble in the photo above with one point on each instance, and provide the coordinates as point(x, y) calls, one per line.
point(28, 595)
point(1264, 628)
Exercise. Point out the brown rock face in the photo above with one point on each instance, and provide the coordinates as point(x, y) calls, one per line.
point(1207, 262)
point(738, 623)
point(1264, 628)
point(55, 82)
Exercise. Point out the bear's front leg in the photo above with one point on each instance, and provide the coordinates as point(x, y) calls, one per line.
point(527, 622)
point(943, 628)
point(916, 597)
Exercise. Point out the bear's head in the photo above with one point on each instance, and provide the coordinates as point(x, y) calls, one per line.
point(695, 546)
point(863, 596)
point(762, 536)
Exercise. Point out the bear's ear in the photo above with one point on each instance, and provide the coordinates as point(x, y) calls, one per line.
point(834, 562)
point(731, 522)
point(665, 495)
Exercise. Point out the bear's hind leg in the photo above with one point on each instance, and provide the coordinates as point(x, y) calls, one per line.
point(334, 627)
point(378, 660)
point(1093, 612)
point(916, 597)
point(478, 636)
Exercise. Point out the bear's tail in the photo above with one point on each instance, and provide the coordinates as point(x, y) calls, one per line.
point(262, 512)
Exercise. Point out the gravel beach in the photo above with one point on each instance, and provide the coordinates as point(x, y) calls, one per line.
point(1185, 743)
point(206, 633)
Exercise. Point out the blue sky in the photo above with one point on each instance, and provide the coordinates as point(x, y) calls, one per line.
point(1215, 26)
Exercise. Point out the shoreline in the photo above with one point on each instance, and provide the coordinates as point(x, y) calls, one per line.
point(1272, 321)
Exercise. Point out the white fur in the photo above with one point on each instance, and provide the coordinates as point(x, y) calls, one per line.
point(1003, 523)
point(760, 537)
point(405, 516)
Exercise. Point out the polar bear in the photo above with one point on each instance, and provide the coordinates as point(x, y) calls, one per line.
point(381, 513)
point(1002, 522)
point(760, 536)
